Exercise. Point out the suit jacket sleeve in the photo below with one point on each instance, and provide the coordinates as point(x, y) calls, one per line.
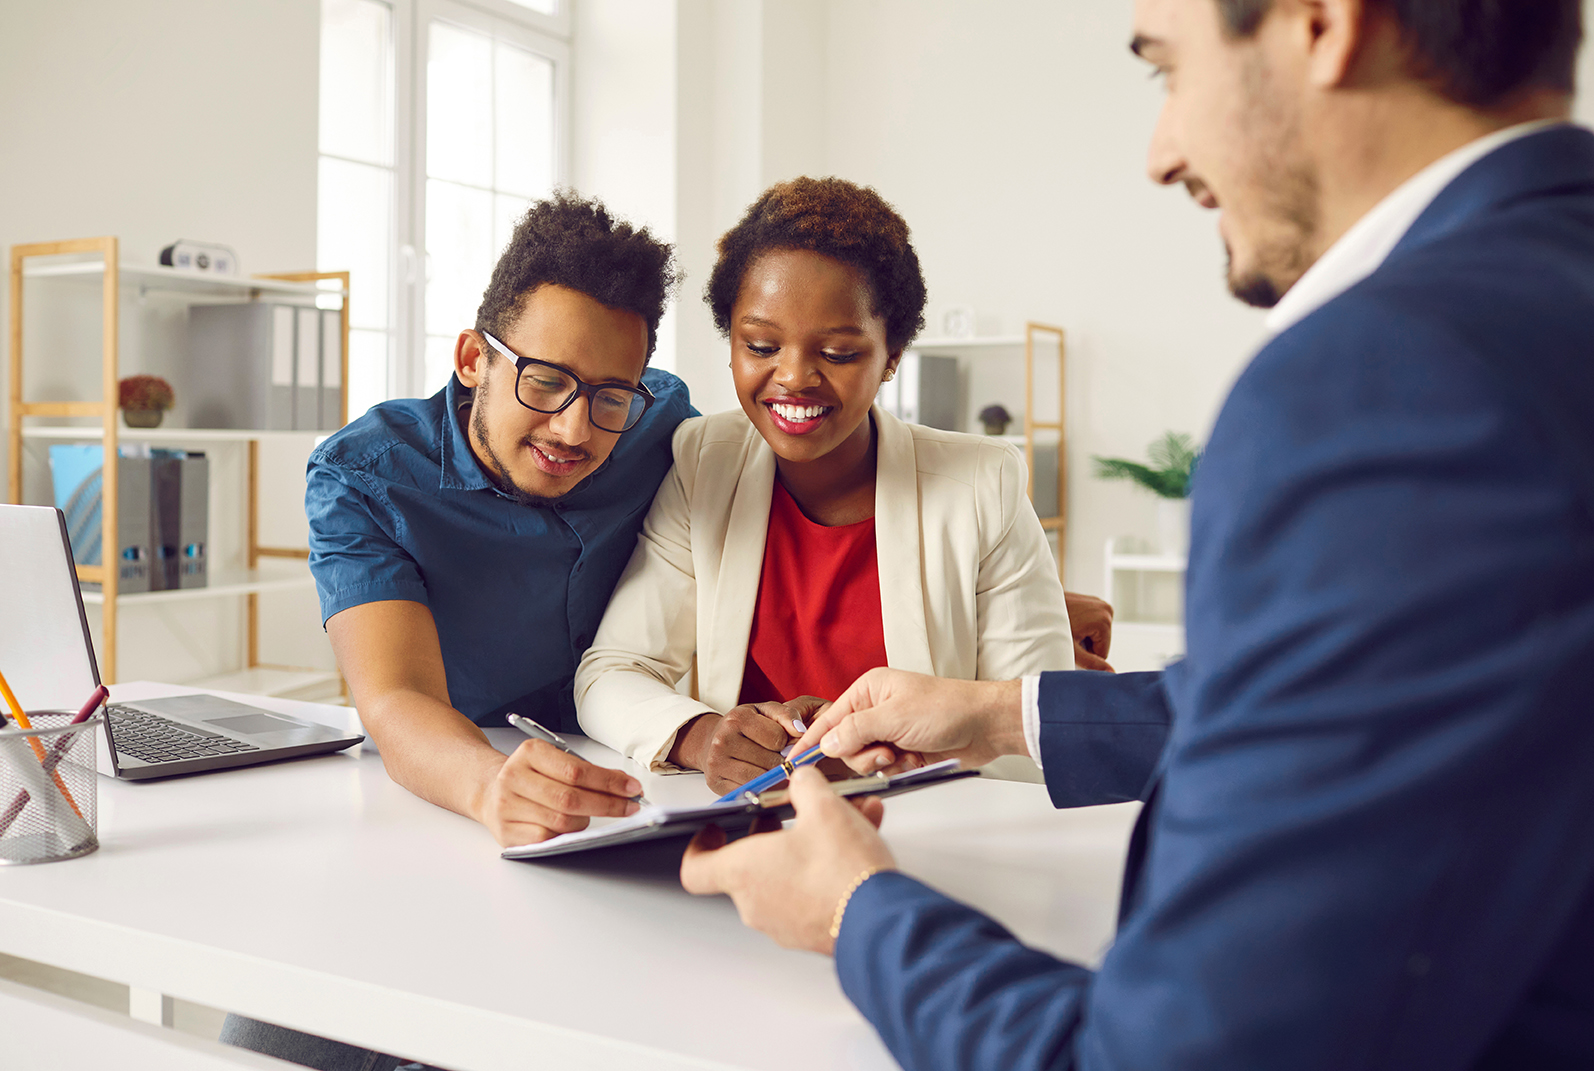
point(1101, 735)
point(1351, 859)
point(625, 685)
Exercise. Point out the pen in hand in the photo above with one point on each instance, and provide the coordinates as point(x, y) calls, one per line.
point(537, 732)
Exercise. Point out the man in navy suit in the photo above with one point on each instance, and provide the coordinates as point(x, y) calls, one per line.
point(1368, 831)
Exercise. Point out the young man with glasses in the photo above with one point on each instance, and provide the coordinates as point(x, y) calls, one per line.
point(465, 545)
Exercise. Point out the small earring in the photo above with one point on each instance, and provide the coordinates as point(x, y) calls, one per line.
point(891, 373)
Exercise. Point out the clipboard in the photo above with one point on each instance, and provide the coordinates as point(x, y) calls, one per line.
point(663, 823)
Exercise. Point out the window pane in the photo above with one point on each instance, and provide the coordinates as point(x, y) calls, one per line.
point(523, 99)
point(439, 363)
point(357, 80)
point(368, 364)
point(459, 253)
point(459, 105)
point(352, 234)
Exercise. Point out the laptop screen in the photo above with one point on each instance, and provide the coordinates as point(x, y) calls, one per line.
point(45, 650)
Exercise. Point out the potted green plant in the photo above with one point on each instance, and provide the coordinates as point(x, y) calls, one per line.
point(996, 418)
point(1173, 458)
point(144, 400)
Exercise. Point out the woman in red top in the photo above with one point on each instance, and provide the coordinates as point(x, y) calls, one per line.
point(812, 536)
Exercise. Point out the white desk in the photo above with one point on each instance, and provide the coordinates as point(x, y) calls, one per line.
point(319, 895)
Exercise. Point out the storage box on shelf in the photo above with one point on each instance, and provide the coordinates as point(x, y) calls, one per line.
point(1143, 639)
point(42, 261)
point(1044, 435)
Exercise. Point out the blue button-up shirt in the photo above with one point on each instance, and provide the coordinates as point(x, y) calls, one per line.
point(400, 509)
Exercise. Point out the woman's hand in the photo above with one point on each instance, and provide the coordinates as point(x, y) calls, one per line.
point(1090, 620)
point(733, 748)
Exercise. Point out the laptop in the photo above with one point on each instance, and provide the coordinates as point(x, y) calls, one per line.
point(48, 658)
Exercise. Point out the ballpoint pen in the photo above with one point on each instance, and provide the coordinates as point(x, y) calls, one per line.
point(547, 736)
point(770, 778)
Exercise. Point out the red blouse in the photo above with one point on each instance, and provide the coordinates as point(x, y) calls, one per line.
point(816, 626)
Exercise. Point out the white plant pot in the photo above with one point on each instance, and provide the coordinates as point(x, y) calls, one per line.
point(1173, 526)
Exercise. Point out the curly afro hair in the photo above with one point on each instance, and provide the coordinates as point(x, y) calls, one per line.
point(572, 241)
point(842, 220)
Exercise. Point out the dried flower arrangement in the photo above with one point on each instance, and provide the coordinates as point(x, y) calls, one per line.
point(145, 394)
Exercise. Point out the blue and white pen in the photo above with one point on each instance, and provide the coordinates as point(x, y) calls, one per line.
point(771, 778)
point(548, 736)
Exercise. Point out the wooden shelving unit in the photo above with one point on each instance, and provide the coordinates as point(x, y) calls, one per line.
point(1031, 341)
point(303, 287)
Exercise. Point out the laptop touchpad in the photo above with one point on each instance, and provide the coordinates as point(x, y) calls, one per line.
point(251, 723)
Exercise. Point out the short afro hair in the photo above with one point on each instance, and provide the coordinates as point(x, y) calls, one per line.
point(572, 241)
point(839, 219)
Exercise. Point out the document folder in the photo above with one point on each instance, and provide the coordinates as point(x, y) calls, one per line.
point(660, 823)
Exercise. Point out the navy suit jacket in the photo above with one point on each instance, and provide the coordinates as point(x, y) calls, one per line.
point(1368, 839)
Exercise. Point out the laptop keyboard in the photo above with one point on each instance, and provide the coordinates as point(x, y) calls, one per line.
point(153, 738)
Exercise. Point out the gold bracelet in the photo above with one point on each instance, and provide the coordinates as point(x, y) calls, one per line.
point(846, 897)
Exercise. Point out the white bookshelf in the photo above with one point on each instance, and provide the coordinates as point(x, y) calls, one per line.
point(974, 342)
point(166, 435)
point(222, 582)
point(1142, 644)
point(156, 277)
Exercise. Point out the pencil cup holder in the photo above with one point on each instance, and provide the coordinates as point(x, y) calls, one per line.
point(47, 786)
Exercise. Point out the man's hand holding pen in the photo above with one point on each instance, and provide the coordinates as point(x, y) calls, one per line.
point(541, 792)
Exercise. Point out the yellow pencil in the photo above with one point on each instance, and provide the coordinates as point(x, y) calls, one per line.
point(38, 749)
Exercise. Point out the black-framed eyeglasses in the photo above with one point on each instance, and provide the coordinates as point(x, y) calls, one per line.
point(547, 388)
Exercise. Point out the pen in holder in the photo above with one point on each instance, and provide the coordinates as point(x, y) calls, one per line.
point(47, 789)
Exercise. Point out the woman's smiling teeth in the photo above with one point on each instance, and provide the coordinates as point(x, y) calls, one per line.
point(798, 414)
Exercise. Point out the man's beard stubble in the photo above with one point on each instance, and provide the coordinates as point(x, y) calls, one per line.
point(496, 470)
point(1288, 201)
point(1287, 255)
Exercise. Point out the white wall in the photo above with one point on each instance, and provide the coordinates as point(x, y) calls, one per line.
point(1012, 137)
point(1011, 134)
point(154, 121)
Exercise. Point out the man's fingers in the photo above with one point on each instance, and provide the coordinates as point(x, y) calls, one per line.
point(811, 793)
point(700, 866)
point(871, 807)
point(534, 786)
point(821, 724)
point(854, 734)
point(549, 761)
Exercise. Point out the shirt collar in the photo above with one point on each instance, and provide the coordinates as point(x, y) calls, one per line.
point(461, 471)
point(1365, 246)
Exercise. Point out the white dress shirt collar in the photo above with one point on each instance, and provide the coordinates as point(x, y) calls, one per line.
point(1364, 247)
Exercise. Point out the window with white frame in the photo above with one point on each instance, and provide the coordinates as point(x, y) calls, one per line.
point(418, 202)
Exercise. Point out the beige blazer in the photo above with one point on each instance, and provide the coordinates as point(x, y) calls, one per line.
point(968, 587)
